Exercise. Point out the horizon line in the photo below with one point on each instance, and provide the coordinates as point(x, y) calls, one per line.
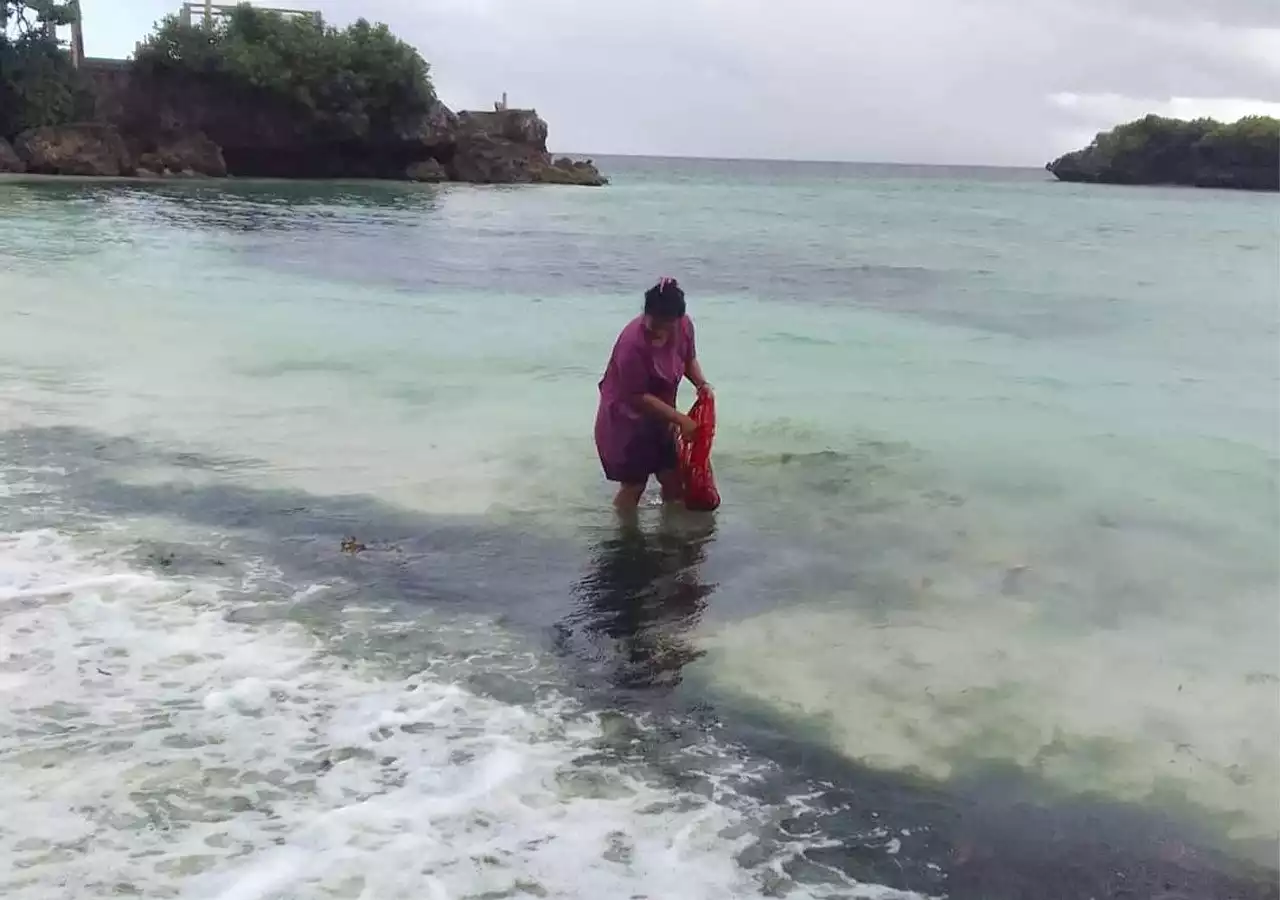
point(810, 161)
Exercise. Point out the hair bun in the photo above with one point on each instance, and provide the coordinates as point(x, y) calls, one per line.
point(665, 299)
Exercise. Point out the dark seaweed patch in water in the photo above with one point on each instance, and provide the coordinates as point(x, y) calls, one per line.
point(290, 227)
point(992, 834)
point(966, 302)
point(618, 613)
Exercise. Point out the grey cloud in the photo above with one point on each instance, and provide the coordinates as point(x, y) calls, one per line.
point(911, 80)
point(1239, 13)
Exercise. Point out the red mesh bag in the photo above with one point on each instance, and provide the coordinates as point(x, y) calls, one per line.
point(700, 492)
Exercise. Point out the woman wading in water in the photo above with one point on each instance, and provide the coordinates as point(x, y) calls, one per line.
point(637, 421)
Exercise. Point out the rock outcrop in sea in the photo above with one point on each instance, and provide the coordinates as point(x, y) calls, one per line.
point(1155, 150)
point(158, 124)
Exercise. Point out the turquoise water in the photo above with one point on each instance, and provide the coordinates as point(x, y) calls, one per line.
point(992, 601)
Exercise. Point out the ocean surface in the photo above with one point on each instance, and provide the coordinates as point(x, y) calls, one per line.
point(309, 586)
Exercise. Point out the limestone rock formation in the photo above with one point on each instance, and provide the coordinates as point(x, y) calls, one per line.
point(178, 122)
point(193, 152)
point(509, 146)
point(501, 147)
point(435, 131)
point(9, 160)
point(89, 148)
point(426, 170)
point(570, 171)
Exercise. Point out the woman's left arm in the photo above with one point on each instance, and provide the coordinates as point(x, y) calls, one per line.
point(693, 368)
point(693, 371)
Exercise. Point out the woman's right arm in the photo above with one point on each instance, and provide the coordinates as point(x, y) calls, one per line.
point(660, 409)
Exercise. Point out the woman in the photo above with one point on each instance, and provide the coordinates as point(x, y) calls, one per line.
point(637, 420)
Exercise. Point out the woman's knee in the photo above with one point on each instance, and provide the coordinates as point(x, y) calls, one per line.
point(629, 495)
point(672, 489)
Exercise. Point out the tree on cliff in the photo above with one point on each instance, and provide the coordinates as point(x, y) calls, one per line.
point(1201, 152)
point(355, 81)
point(38, 84)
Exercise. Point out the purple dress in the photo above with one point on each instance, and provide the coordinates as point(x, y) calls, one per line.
point(633, 444)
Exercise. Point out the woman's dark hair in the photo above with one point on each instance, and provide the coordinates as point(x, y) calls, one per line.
point(665, 300)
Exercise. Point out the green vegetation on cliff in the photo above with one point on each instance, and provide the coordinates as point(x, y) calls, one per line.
point(356, 81)
point(1200, 153)
point(38, 85)
point(251, 93)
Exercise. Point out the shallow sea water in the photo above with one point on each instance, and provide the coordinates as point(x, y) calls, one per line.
point(990, 610)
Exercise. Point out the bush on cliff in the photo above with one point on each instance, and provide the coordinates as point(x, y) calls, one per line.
point(1201, 152)
point(38, 84)
point(356, 81)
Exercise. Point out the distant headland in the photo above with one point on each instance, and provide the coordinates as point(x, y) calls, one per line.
point(239, 90)
point(1197, 153)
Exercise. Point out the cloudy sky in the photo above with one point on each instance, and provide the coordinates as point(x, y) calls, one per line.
point(1005, 82)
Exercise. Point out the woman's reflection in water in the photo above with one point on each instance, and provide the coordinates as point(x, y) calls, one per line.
point(641, 597)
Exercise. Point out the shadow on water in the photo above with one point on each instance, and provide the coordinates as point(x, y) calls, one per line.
point(283, 208)
point(358, 195)
point(641, 596)
point(616, 610)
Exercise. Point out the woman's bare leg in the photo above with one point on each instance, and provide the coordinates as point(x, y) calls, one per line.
point(628, 497)
point(672, 489)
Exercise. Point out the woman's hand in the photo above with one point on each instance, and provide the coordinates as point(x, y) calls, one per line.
point(705, 390)
point(688, 427)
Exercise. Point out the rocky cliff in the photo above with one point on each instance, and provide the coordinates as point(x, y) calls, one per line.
point(1089, 167)
point(1200, 153)
point(177, 124)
